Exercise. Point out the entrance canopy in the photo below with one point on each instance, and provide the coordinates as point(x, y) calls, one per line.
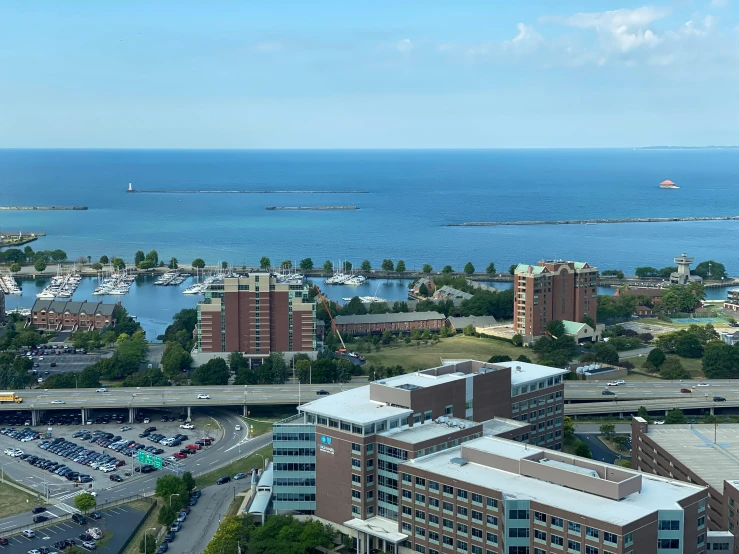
point(379, 527)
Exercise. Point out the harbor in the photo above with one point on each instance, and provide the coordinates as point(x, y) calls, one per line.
point(43, 208)
point(312, 208)
point(593, 221)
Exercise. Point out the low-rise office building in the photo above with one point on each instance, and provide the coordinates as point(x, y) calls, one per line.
point(703, 454)
point(446, 461)
point(53, 315)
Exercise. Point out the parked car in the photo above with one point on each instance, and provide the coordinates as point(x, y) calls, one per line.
point(28, 533)
point(240, 476)
point(79, 519)
point(38, 510)
point(187, 426)
point(223, 480)
point(659, 422)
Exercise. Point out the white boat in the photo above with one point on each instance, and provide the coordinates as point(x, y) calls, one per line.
point(46, 294)
point(355, 280)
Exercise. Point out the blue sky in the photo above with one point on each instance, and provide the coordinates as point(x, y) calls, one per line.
point(380, 74)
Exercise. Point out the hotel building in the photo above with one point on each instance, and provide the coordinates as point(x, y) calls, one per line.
point(553, 290)
point(256, 315)
point(434, 462)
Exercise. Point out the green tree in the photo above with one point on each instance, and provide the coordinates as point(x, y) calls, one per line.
point(512, 268)
point(617, 273)
point(306, 264)
point(198, 263)
point(354, 307)
point(710, 270)
point(97, 266)
point(568, 428)
point(720, 361)
point(583, 450)
point(400, 266)
point(166, 515)
point(498, 359)
point(490, 269)
point(606, 353)
point(608, 429)
point(173, 263)
point(673, 369)
point(646, 271)
point(620, 441)
point(643, 413)
point(656, 358)
point(524, 358)
point(286, 264)
point(85, 502)
point(366, 266)
point(175, 358)
point(40, 265)
point(213, 372)
point(224, 265)
point(189, 481)
point(666, 271)
point(387, 265)
point(423, 290)
point(427, 268)
point(234, 532)
point(688, 346)
point(587, 320)
point(265, 262)
point(469, 330)
point(15, 267)
point(447, 270)
point(146, 264)
point(118, 264)
point(517, 340)
point(469, 269)
point(104, 259)
point(147, 543)
point(675, 416)
point(328, 265)
point(556, 328)
point(138, 257)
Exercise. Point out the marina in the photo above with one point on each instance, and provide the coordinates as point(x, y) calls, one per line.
point(117, 284)
point(9, 286)
point(594, 221)
point(61, 286)
point(312, 208)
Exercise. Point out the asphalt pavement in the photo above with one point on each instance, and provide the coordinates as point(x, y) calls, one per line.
point(600, 452)
point(220, 424)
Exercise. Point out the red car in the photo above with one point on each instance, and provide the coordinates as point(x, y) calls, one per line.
point(193, 446)
point(3, 541)
point(685, 390)
point(179, 456)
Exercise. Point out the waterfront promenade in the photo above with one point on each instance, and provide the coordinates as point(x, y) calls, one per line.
point(593, 221)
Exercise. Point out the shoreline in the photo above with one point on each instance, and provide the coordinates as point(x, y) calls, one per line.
point(44, 208)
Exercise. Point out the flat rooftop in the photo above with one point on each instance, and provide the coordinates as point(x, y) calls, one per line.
point(354, 406)
point(500, 425)
point(656, 493)
point(429, 430)
point(524, 372)
point(693, 446)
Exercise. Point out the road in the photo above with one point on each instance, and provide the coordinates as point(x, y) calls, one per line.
point(600, 452)
point(232, 444)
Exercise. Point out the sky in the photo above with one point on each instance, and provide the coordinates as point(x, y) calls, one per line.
point(368, 74)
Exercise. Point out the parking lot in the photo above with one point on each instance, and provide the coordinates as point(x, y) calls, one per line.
point(116, 523)
point(97, 440)
point(48, 362)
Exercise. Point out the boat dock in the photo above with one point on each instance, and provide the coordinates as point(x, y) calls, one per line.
point(43, 208)
point(180, 191)
point(312, 208)
point(593, 221)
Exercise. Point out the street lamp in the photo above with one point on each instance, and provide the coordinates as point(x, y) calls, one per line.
point(263, 460)
point(145, 535)
point(170, 498)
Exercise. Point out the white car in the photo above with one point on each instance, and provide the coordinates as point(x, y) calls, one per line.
point(15, 453)
point(171, 458)
point(40, 379)
point(613, 384)
point(702, 385)
point(659, 422)
point(187, 426)
point(40, 358)
point(8, 451)
point(238, 427)
point(108, 469)
point(101, 389)
point(91, 493)
point(57, 401)
point(621, 381)
point(202, 396)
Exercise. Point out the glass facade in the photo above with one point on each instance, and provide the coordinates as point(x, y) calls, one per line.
point(294, 458)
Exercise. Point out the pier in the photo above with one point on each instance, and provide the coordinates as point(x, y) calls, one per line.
point(593, 221)
point(266, 191)
point(43, 208)
point(312, 208)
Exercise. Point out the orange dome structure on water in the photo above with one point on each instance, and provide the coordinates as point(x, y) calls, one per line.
point(667, 184)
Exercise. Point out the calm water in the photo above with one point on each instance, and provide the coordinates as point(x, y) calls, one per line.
point(412, 194)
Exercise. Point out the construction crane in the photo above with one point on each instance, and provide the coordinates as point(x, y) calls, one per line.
point(333, 323)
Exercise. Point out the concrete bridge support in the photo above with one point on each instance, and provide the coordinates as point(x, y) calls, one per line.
point(246, 410)
point(34, 418)
point(189, 413)
point(131, 415)
point(84, 415)
point(712, 411)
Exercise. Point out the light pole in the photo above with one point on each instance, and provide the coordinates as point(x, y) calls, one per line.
point(263, 460)
point(205, 428)
point(170, 498)
point(146, 533)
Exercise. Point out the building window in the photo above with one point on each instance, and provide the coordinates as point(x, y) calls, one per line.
point(448, 523)
point(573, 527)
point(492, 503)
point(492, 538)
point(447, 541)
point(610, 537)
point(461, 545)
point(420, 532)
point(476, 498)
point(573, 546)
point(356, 463)
point(356, 495)
point(492, 521)
point(591, 533)
point(557, 540)
point(420, 482)
point(701, 524)
point(669, 525)
point(434, 486)
point(540, 535)
point(406, 511)
point(433, 502)
point(407, 478)
point(518, 532)
point(356, 448)
point(540, 517)
point(461, 528)
point(448, 507)
point(518, 514)
point(448, 490)
point(461, 511)
point(462, 494)
point(668, 544)
point(355, 511)
point(420, 515)
point(591, 549)
point(476, 516)
point(356, 479)
point(477, 533)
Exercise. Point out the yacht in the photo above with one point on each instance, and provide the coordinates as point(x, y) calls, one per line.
point(355, 280)
point(46, 294)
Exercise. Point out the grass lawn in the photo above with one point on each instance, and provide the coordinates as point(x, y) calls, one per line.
point(242, 465)
point(263, 425)
point(694, 366)
point(149, 522)
point(13, 501)
point(414, 357)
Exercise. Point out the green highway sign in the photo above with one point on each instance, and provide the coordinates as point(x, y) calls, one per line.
point(149, 459)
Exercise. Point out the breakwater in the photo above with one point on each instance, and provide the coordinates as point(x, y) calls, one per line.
point(43, 208)
point(593, 221)
point(312, 208)
point(265, 191)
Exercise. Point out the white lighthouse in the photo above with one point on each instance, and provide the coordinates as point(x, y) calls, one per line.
point(130, 187)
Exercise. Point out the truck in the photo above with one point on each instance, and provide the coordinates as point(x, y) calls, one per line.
point(10, 397)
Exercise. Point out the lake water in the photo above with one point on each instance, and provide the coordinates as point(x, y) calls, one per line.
point(411, 195)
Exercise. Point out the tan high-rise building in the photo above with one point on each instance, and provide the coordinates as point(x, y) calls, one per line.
point(553, 290)
point(256, 315)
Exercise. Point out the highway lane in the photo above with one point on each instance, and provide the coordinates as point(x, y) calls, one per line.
point(231, 445)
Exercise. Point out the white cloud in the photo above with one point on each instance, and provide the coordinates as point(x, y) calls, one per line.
point(404, 46)
point(527, 38)
point(719, 3)
point(622, 30)
point(700, 27)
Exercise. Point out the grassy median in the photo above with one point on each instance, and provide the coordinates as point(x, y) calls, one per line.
point(13, 501)
point(242, 465)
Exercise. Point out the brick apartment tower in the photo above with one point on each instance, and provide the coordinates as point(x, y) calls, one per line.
point(256, 315)
point(553, 290)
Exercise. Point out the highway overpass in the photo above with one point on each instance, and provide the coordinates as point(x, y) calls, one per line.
point(581, 397)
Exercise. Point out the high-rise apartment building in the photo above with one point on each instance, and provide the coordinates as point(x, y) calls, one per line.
point(415, 464)
point(256, 315)
point(553, 290)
